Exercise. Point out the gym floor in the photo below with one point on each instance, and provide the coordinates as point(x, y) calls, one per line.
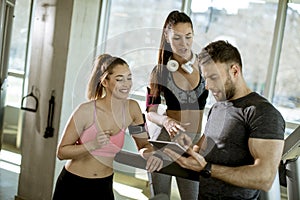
point(125, 186)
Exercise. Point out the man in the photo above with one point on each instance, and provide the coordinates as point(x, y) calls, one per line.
point(243, 141)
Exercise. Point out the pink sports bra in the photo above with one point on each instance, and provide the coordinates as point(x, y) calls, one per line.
point(116, 141)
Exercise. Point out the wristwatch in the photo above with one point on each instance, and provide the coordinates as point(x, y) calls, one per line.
point(206, 171)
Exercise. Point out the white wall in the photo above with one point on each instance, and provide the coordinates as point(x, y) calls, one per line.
point(62, 48)
point(47, 63)
point(81, 52)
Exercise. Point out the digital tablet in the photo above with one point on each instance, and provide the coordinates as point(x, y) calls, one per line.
point(160, 145)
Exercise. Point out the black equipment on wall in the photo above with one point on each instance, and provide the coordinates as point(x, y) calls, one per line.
point(49, 129)
point(35, 102)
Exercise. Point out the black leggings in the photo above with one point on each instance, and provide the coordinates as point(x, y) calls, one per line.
point(71, 186)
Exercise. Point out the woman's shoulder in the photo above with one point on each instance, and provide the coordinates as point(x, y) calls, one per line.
point(133, 103)
point(135, 112)
point(134, 107)
point(85, 107)
point(158, 70)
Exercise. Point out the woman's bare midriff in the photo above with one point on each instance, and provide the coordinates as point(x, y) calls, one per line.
point(91, 166)
point(194, 117)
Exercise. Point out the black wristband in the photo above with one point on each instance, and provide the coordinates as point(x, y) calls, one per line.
point(206, 171)
point(137, 129)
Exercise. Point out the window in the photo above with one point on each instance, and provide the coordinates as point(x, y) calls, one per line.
point(134, 33)
point(17, 56)
point(287, 91)
point(249, 25)
point(14, 95)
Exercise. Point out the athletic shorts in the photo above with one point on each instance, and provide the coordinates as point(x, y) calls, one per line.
point(71, 186)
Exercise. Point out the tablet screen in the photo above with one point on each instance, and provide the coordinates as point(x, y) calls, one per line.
point(158, 144)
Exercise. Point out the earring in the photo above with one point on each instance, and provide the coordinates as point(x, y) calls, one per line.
point(103, 92)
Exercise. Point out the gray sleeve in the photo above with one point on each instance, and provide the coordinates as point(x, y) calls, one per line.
point(266, 122)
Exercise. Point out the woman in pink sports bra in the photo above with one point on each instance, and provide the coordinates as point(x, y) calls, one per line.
point(95, 133)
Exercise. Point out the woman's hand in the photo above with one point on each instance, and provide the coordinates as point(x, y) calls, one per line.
point(184, 141)
point(102, 139)
point(173, 126)
point(154, 163)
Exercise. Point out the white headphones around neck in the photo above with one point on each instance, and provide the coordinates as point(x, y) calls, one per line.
point(172, 65)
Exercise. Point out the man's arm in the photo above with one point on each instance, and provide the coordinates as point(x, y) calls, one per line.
point(266, 153)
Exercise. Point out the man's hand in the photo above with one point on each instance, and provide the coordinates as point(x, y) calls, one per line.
point(194, 162)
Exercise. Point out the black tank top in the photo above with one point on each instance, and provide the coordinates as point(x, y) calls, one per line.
point(179, 99)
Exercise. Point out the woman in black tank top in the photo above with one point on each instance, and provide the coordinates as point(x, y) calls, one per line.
point(177, 78)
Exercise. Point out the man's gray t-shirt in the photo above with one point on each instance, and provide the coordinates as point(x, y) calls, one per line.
point(230, 125)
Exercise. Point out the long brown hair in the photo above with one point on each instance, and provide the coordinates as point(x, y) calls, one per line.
point(165, 51)
point(103, 66)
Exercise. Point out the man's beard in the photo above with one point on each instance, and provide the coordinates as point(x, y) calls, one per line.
point(229, 88)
